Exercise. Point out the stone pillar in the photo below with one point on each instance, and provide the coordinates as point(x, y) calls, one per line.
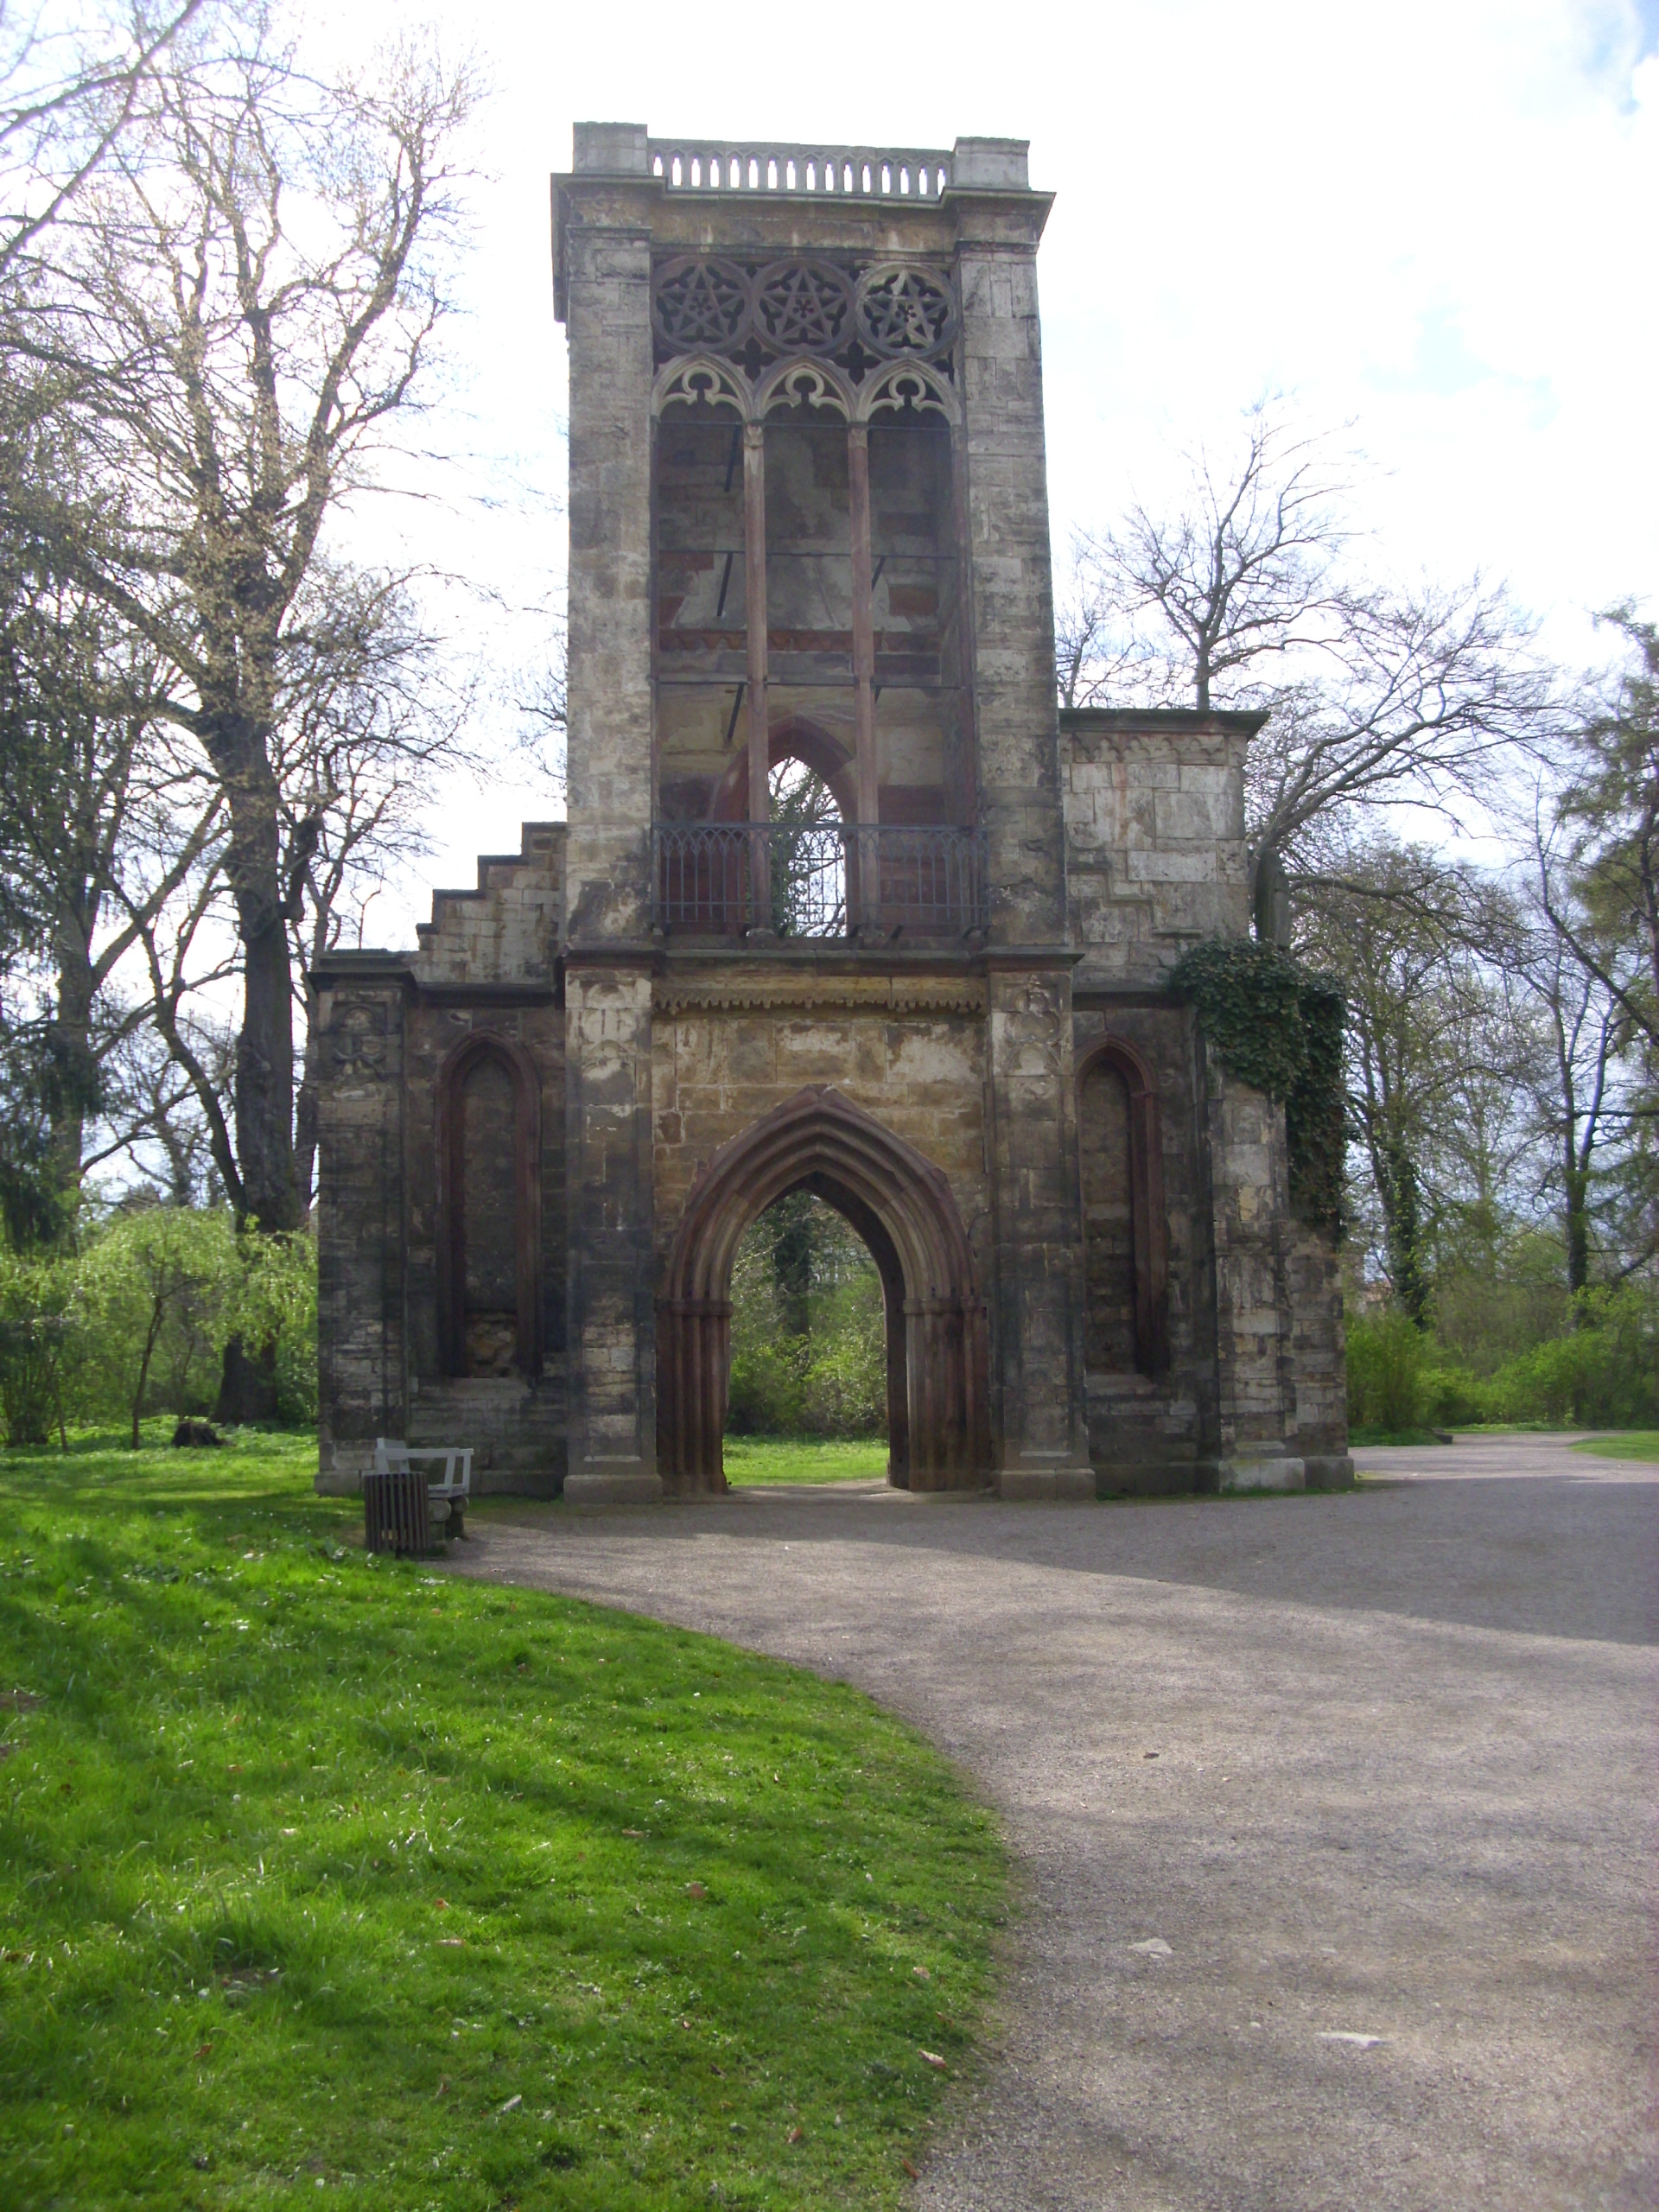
point(605, 281)
point(1250, 1198)
point(1041, 1416)
point(1041, 1413)
point(361, 1304)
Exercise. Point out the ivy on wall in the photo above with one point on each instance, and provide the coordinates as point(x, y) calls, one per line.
point(1278, 1026)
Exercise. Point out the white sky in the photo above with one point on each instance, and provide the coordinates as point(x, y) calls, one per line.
point(1434, 222)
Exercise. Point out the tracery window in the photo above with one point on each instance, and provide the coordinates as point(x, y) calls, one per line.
point(807, 555)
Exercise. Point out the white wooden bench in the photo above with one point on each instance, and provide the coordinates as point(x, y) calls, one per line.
point(450, 1491)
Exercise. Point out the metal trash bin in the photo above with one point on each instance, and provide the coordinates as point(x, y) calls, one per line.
point(395, 1514)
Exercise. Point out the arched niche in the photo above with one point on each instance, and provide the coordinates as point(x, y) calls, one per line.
point(900, 1204)
point(489, 1148)
point(1120, 1145)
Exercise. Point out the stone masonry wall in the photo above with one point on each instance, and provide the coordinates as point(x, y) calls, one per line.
point(1159, 1431)
point(359, 1218)
point(719, 1068)
point(1154, 828)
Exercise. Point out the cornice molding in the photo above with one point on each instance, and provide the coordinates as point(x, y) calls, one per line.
point(807, 993)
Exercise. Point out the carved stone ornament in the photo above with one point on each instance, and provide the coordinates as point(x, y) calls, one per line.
point(357, 1043)
point(700, 381)
point(894, 310)
point(905, 386)
point(797, 384)
point(696, 303)
point(904, 309)
point(803, 307)
point(918, 994)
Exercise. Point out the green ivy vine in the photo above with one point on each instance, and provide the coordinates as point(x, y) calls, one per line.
point(1278, 1026)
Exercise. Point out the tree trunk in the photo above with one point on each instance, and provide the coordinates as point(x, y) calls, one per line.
point(247, 1386)
point(1396, 1186)
point(306, 1109)
point(72, 1037)
point(263, 1086)
point(792, 1262)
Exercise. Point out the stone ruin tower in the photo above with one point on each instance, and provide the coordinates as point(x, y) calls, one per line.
point(842, 902)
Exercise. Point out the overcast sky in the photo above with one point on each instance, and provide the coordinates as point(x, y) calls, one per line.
point(1434, 222)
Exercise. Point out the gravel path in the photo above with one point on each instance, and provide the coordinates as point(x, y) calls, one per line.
point(1374, 1767)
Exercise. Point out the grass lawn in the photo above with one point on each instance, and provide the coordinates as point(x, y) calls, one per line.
point(804, 1460)
point(1633, 1444)
point(325, 1872)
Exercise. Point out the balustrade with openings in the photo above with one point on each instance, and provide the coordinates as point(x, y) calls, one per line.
point(820, 172)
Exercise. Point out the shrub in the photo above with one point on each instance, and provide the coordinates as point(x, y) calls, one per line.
point(36, 1339)
point(1452, 1397)
point(1387, 1360)
point(1604, 1375)
point(155, 1294)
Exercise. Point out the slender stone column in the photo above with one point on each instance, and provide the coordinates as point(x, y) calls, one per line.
point(755, 561)
point(611, 1320)
point(858, 477)
point(1041, 1417)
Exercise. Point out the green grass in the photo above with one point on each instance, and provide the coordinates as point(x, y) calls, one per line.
point(1363, 1437)
point(1633, 1444)
point(804, 1460)
point(319, 1870)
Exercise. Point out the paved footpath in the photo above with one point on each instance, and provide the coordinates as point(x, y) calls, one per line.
point(1376, 1768)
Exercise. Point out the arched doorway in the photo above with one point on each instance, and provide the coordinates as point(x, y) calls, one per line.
point(900, 1205)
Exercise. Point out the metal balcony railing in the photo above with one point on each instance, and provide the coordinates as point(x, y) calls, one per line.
point(824, 880)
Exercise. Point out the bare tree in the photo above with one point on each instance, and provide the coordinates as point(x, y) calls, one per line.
point(1607, 909)
point(375, 710)
point(1247, 596)
point(65, 97)
point(1433, 1050)
point(245, 304)
point(1246, 569)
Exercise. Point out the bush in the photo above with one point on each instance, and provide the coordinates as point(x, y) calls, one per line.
point(809, 1327)
point(1387, 1356)
point(36, 1339)
point(1452, 1397)
point(137, 1322)
point(155, 1294)
point(1604, 1375)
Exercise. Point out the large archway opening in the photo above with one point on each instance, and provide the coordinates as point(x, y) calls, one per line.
point(810, 1344)
point(900, 1206)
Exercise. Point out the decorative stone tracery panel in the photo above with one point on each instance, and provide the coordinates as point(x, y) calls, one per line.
point(803, 307)
point(895, 310)
point(904, 309)
point(696, 303)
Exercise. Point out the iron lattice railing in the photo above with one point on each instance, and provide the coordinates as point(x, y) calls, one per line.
point(822, 879)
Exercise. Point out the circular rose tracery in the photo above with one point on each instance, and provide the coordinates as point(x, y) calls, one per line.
point(905, 310)
point(803, 307)
point(700, 303)
point(894, 310)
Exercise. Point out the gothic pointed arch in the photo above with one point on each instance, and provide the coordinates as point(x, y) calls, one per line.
point(1149, 1227)
point(901, 1204)
point(797, 737)
point(489, 1208)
